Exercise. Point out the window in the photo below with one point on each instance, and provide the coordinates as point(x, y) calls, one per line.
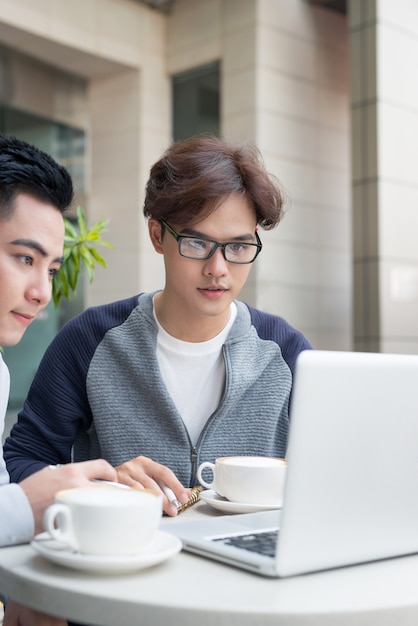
point(196, 102)
point(67, 145)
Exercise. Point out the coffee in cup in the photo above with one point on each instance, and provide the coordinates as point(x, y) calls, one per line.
point(104, 520)
point(247, 479)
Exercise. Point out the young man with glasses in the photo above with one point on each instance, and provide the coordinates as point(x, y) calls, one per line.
point(162, 381)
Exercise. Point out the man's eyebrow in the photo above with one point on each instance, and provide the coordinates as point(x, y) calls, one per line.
point(190, 232)
point(34, 245)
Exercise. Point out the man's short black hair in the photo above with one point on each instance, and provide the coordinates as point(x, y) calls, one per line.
point(27, 169)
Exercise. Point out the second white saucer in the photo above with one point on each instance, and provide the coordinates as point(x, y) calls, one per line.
point(222, 504)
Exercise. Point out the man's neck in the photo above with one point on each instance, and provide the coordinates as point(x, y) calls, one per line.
point(190, 328)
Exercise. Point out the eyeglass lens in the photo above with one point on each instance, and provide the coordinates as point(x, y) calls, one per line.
point(234, 252)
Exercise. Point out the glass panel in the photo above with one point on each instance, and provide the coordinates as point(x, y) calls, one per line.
point(196, 102)
point(67, 146)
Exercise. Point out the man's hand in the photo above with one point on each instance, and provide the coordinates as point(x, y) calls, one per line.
point(41, 487)
point(143, 473)
point(19, 615)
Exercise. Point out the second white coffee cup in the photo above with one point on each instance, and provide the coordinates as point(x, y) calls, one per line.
point(104, 520)
point(247, 479)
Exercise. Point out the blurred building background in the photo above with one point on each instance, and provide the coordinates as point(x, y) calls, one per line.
point(326, 89)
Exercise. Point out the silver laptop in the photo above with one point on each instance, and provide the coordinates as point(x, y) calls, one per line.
point(352, 482)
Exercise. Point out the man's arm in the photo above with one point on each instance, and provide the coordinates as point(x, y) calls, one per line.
point(56, 407)
point(22, 505)
point(41, 487)
point(274, 328)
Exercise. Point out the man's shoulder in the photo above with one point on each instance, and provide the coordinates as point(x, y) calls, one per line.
point(95, 321)
point(272, 327)
point(114, 312)
point(269, 325)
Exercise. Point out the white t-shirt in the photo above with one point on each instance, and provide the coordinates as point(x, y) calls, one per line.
point(194, 374)
point(16, 518)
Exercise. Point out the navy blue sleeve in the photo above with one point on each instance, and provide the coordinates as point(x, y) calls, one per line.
point(57, 406)
point(275, 328)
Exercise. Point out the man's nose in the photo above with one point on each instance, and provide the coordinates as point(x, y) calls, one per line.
point(216, 265)
point(40, 289)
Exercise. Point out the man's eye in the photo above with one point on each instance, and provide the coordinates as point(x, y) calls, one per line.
point(53, 272)
point(198, 244)
point(25, 259)
point(237, 247)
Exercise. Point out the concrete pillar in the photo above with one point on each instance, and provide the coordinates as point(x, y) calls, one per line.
point(384, 93)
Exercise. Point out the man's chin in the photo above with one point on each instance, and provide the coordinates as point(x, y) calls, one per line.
point(10, 339)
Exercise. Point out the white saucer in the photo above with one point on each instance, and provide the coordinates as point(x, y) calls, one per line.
point(162, 547)
point(222, 504)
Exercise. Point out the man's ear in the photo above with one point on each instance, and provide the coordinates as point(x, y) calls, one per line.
point(155, 230)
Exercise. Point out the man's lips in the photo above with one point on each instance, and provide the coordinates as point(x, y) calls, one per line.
point(212, 292)
point(23, 318)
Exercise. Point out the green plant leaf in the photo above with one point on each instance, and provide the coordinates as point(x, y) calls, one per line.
point(81, 220)
point(97, 256)
point(70, 231)
point(80, 254)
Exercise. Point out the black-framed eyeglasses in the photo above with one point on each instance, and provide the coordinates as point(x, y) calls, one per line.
point(201, 249)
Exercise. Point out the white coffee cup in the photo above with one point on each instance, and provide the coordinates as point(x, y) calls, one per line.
point(104, 520)
point(247, 479)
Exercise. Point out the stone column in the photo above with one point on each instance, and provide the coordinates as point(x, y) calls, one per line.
point(384, 93)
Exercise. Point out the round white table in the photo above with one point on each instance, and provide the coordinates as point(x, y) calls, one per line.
point(188, 590)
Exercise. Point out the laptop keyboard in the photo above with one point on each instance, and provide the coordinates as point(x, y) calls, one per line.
point(263, 542)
